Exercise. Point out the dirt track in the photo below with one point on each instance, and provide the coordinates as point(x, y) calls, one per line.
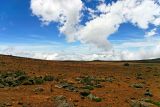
point(118, 92)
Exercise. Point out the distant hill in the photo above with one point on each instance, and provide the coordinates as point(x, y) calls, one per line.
point(156, 60)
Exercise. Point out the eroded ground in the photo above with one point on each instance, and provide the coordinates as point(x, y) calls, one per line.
point(79, 84)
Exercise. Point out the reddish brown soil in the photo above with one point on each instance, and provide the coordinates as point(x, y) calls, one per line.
point(114, 94)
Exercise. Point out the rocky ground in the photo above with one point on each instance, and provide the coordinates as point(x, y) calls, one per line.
point(37, 83)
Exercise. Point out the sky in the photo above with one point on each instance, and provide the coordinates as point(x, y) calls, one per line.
point(80, 29)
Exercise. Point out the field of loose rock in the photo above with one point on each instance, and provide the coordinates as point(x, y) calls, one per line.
point(37, 83)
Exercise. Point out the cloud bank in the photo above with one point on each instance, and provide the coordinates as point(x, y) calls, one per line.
point(145, 49)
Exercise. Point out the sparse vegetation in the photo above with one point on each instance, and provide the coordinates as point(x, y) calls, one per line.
point(38, 80)
point(153, 102)
point(12, 79)
point(27, 82)
point(88, 87)
point(48, 78)
point(139, 76)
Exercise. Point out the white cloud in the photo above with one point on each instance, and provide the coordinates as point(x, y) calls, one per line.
point(151, 33)
point(66, 12)
point(145, 49)
point(141, 13)
point(96, 31)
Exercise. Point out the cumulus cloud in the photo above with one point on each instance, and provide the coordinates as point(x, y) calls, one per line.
point(68, 13)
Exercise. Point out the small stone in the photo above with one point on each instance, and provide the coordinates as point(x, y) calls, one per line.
point(8, 104)
point(38, 89)
point(136, 103)
point(85, 92)
point(148, 93)
point(62, 85)
point(20, 103)
point(61, 101)
point(94, 98)
point(98, 86)
point(137, 85)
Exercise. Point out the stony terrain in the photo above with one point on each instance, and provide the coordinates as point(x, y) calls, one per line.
point(37, 83)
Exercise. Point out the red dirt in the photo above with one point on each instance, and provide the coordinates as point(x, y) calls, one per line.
point(114, 94)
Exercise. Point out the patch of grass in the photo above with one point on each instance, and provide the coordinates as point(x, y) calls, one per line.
point(38, 80)
point(87, 80)
point(88, 87)
point(153, 102)
point(48, 78)
point(12, 79)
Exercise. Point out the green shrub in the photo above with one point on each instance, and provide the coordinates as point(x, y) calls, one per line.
point(88, 87)
point(38, 80)
point(28, 82)
point(153, 102)
point(48, 78)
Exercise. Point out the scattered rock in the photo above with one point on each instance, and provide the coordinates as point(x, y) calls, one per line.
point(38, 89)
point(110, 79)
point(98, 86)
point(78, 79)
point(20, 103)
point(137, 85)
point(61, 101)
point(136, 103)
point(67, 86)
point(94, 98)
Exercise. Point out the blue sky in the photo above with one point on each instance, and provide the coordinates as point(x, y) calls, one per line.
point(19, 25)
point(22, 23)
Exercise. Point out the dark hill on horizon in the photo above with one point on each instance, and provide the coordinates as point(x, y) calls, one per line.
point(155, 60)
